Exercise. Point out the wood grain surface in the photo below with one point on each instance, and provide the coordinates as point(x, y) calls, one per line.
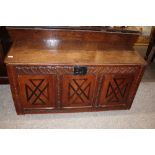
point(41, 66)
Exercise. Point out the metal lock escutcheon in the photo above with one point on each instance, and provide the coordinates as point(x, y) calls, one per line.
point(80, 70)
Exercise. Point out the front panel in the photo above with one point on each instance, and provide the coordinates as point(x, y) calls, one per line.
point(115, 89)
point(44, 89)
point(78, 90)
point(37, 91)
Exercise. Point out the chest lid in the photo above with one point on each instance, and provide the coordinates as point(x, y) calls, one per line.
point(73, 47)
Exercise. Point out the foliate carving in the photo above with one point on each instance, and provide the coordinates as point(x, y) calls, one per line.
point(70, 69)
point(36, 70)
point(100, 80)
point(64, 69)
point(113, 69)
point(79, 90)
point(44, 69)
point(59, 80)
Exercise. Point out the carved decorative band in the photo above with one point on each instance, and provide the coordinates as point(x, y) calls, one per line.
point(69, 69)
point(113, 69)
point(43, 69)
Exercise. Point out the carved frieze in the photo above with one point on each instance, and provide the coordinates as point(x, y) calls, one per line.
point(70, 69)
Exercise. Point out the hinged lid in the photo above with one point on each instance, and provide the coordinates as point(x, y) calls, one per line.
point(73, 47)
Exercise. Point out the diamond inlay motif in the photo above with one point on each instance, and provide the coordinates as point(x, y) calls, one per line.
point(37, 91)
point(79, 90)
point(117, 89)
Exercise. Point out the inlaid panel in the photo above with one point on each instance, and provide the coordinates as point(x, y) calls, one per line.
point(37, 90)
point(115, 89)
point(78, 91)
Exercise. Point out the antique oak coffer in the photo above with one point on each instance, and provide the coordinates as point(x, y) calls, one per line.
point(60, 70)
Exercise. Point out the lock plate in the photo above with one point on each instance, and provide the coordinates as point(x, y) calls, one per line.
point(80, 70)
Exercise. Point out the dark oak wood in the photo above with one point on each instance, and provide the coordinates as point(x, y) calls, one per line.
point(37, 90)
point(70, 52)
point(81, 35)
point(115, 89)
point(41, 67)
point(78, 91)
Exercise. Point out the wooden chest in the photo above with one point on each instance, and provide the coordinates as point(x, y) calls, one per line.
point(73, 71)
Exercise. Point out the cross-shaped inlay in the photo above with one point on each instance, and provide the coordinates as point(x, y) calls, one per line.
point(117, 89)
point(37, 91)
point(79, 90)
